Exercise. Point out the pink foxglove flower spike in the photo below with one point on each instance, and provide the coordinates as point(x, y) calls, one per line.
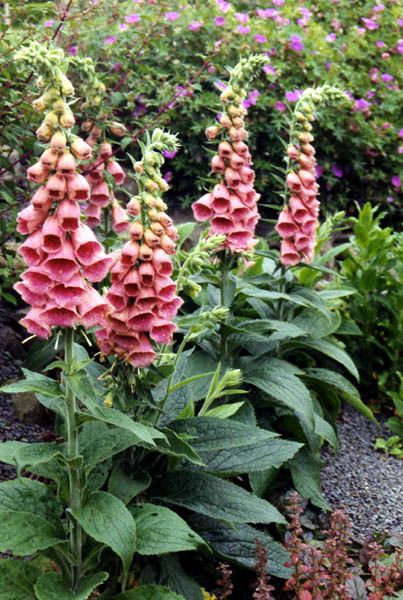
point(231, 207)
point(143, 294)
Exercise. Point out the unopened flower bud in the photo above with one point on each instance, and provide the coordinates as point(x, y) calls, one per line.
point(212, 132)
point(67, 119)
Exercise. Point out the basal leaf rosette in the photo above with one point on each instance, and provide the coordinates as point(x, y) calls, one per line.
point(62, 254)
point(143, 294)
point(231, 207)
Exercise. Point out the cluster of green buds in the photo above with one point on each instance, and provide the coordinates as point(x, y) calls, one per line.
point(93, 88)
point(50, 62)
point(221, 386)
point(203, 323)
point(307, 105)
point(195, 260)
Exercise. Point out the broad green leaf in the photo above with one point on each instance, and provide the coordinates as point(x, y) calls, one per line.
point(107, 520)
point(277, 378)
point(305, 473)
point(50, 586)
point(326, 431)
point(175, 577)
point(98, 442)
point(23, 454)
point(331, 294)
point(174, 445)
point(124, 488)
point(23, 533)
point(237, 543)
point(342, 385)
point(260, 481)
point(144, 433)
point(17, 578)
point(317, 325)
point(160, 530)
point(34, 382)
point(26, 495)
point(252, 448)
point(149, 592)
point(225, 411)
point(333, 351)
point(208, 495)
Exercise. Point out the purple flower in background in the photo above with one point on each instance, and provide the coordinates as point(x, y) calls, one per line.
point(168, 176)
point(181, 91)
point(370, 94)
point(261, 39)
point(401, 133)
point(395, 181)
point(269, 69)
point(331, 37)
point(379, 8)
point(123, 26)
point(219, 21)
point(110, 40)
point(169, 155)
point(337, 171)
point(268, 13)
point(386, 125)
point(380, 44)
point(133, 18)
point(220, 85)
point(280, 106)
point(296, 43)
point(369, 24)
point(223, 5)
point(243, 29)
point(293, 96)
point(195, 25)
point(400, 150)
point(242, 17)
point(278, 2)
point(172, 16)
point(319, 171)
point(49, 23)
point(73, 50)
point(361, 30)
point(251, 99)
point(328, 66)
point(212, 69)
point(361, 105)
point(400, 22)
point(399, 46)
point(386, 77)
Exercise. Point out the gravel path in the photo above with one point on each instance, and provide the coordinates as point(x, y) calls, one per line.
point(10, 427)
point(362, 481)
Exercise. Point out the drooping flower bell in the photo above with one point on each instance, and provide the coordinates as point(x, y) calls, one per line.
point(62, 254)
point(298, 220)
point(231, 206)
point(143, 294)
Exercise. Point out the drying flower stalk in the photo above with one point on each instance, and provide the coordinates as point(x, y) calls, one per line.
point(231, 207)
point(143, 294)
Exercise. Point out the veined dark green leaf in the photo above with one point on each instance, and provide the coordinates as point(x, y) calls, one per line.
point(333, 351)
point(149, 592)
point(124, 488)
point(17, 578)
point(24, 533)
point(305, 473)
point(210, 496)
point(24, 494)
point(34, 382)
point(51, 586)
point(161, 531)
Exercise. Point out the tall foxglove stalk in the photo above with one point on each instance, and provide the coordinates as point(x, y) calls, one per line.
point(143, 294)
point(103, 173)
point(63, 256)
point(298, 221)
point(231, 207)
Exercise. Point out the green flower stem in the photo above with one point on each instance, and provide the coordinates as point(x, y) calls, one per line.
point(73, 468)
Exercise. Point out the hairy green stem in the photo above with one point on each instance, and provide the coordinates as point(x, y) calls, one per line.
point(73, 468)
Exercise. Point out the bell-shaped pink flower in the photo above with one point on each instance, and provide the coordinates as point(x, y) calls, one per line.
point(221, 199)
point(31, 250)
point(78, 188)
point(143, 354)
point(28, 295)
point(289, 254)
point(37, 279)
point(68, 215)
point(294, 182)
point(99, 269)
point(81, 149)
point(60, 316)
point(202, 208)
point(92, 308)
point(168, 310)
point(66, 165)
point(165, 287)
point(69, 293)
point(116, 171)
point(119, 218)
point(38, 173)
point(56, 187)
point(162, 263)
point(35, 325)
point(147, 272)
point(141, 320)
point(41, 200)
point(100, 194)
point(29, 219)
point(221, 224)
point(130, 252)
point(162, 331)
point(217, 165)
point(53, 235)
point(117, 296)
point(86, 246)
point(131, 283)
point(62, 265)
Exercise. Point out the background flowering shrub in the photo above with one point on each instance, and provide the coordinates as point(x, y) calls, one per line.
point(161, 60)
